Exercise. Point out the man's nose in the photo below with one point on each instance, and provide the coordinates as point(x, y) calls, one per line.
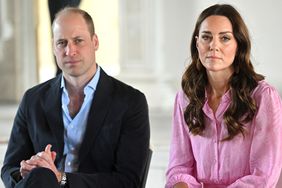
point(71, 49)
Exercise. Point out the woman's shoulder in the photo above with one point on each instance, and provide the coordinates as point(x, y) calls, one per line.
point(181, 98)
point(264, 89)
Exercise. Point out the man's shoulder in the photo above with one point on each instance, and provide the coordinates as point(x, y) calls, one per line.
point(125, 88)
point(117, 85)
point(43, 87)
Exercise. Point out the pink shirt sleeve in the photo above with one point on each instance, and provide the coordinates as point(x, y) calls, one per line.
point(181, 162)
point(266, 148)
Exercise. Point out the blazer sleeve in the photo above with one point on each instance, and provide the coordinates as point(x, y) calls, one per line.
point(131, 152)
point(19, 147)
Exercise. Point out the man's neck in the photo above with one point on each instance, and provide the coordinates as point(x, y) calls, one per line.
point(76, 84)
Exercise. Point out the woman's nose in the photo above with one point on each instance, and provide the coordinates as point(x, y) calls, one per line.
point(214, 44)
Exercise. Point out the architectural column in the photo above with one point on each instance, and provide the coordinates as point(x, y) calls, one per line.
point(17, 49)
point(141, 61)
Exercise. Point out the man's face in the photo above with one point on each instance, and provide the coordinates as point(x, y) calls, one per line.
point(73, 46)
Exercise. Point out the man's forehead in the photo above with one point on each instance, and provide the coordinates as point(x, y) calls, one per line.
point(72, 19)
point(74, 28)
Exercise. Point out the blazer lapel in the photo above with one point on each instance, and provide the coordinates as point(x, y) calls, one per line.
point(98, 111)
point(53, 110)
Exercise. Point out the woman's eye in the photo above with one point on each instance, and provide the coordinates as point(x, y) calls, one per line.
point(206, 37)
point(225, 38)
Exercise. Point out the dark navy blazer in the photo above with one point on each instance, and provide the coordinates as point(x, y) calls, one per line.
point(116, 140)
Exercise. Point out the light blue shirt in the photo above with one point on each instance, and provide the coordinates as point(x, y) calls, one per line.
point(75, 127)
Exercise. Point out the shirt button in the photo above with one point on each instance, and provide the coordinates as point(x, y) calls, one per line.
point(69, 163)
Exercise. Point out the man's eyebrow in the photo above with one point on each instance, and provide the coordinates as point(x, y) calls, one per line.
point(76, 37)
point(60, 40)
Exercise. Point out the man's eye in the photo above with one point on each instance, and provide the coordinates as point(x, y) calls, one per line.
point(61, 44)
point(77, 41)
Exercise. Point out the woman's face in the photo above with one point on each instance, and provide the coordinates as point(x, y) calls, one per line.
point(216, 44)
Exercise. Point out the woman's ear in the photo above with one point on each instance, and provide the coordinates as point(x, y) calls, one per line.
point(196, 38)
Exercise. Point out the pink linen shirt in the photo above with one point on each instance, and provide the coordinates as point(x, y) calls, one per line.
point(250, 161)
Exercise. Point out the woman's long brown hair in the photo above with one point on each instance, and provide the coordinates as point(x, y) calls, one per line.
point(243, 81)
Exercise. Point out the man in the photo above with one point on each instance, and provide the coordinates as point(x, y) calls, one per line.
point(82, 128)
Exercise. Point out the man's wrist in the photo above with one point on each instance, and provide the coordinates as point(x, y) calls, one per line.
point(63, 180)
point(59, 176)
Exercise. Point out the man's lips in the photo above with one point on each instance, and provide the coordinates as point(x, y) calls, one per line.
point(72, 62)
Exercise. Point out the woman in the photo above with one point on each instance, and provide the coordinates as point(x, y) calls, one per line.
point(227, 126)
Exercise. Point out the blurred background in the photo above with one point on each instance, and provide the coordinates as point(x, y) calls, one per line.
point(144, 43)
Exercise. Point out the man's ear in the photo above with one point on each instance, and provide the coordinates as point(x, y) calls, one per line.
point(53, 46)
point(95, 41)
